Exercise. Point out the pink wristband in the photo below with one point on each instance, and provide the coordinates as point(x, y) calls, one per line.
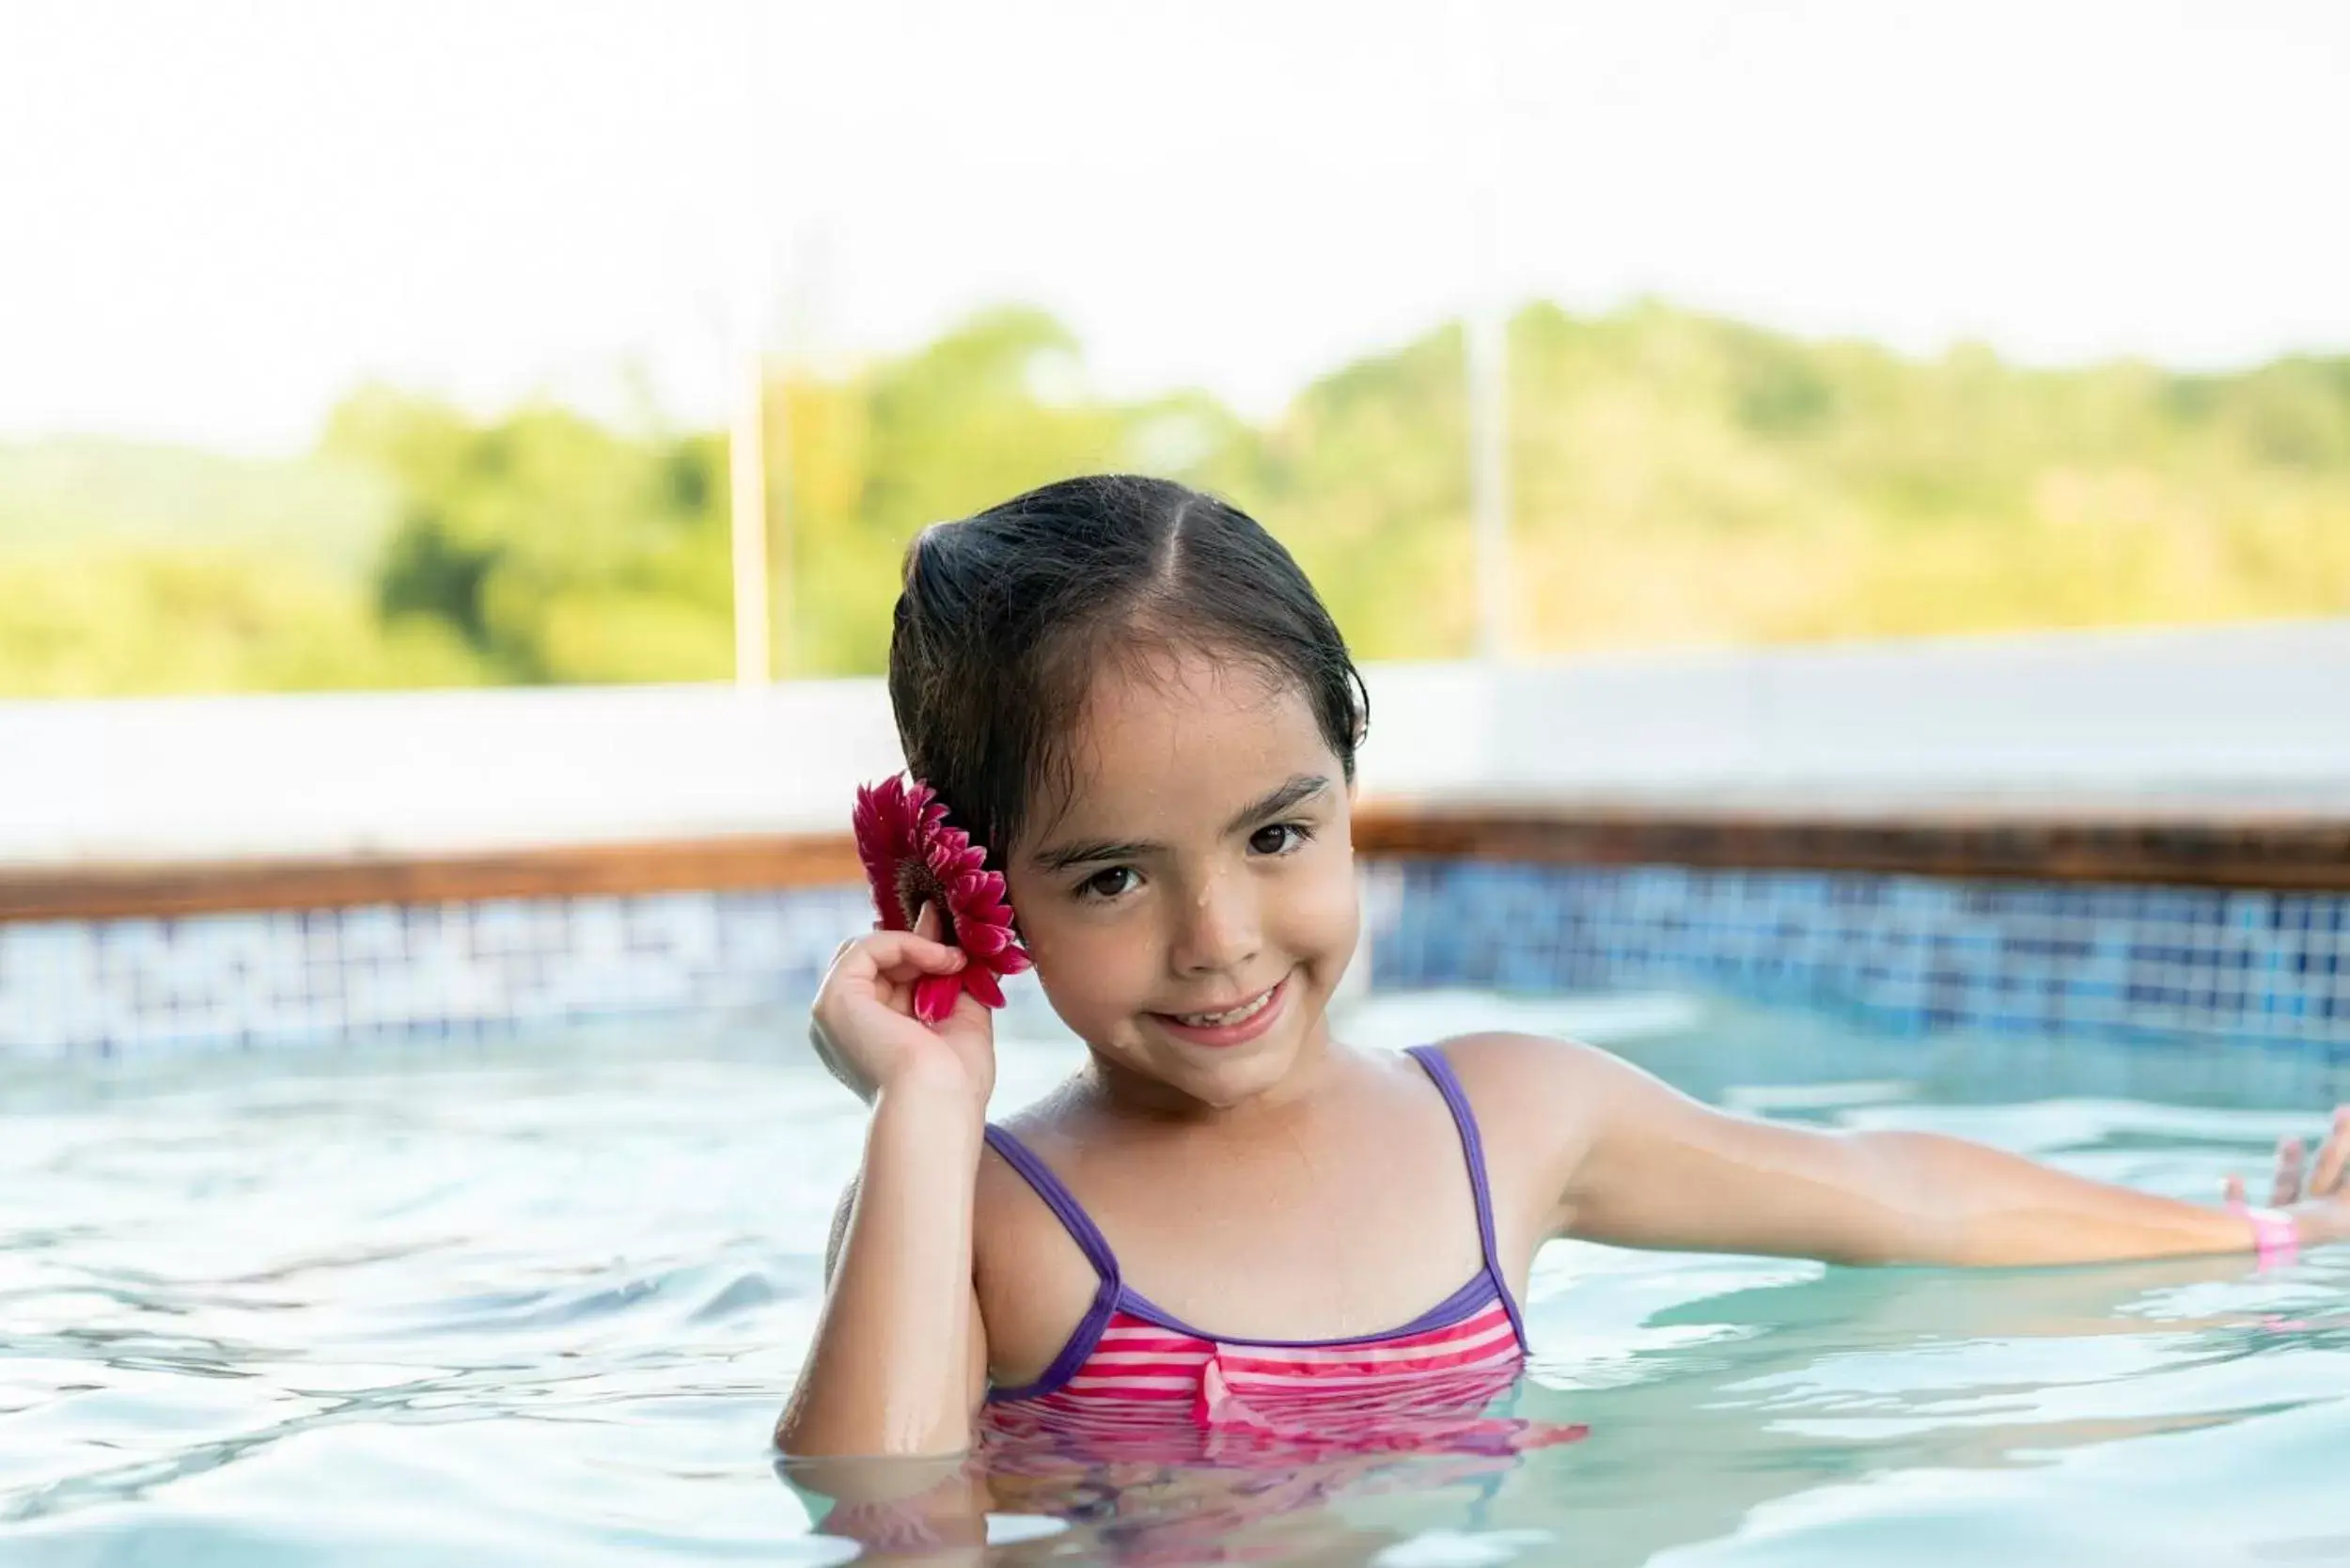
point(2274, 1235)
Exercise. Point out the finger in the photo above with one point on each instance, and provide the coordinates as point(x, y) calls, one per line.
point(2232, 1190)
point(888, 959)
point(2290, 1158)
point(903, 953)
point(2326, 1175)
point(912, 950)
point(925, 923)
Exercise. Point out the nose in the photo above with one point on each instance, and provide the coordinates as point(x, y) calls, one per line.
point(1218, 926)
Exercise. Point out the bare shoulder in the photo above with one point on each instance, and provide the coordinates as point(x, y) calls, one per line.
point(1034, 1282)
point(1508, 1066)
point(1540, 1101)
point(1008, 1204)
point(1011, 1220)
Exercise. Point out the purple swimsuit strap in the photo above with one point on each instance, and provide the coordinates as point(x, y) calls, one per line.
point(1090, 1240)
point(1113, 1293)
point(1059, 1199)
point(1473, 1150)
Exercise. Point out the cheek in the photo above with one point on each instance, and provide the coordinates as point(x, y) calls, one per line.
point(1325, 917)
point(1088, 967)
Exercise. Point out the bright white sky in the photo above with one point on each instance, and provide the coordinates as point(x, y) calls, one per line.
point(216, 218)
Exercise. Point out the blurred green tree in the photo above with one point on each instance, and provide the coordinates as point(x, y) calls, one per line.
point(554, 548)
point(1678, 479)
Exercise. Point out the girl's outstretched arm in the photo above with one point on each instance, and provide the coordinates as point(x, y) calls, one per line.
point(899, 1361)
point(1643, 1165)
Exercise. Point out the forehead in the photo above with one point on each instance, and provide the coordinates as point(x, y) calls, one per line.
point(1183, 733)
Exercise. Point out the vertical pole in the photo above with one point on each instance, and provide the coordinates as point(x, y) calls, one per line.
point(1489, 473)
point(747, 476)
point(779, 528)
point(1487, 347)
point(747, 442)
point(805, 272)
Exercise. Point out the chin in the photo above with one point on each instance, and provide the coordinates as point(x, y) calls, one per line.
point(1225, 1085)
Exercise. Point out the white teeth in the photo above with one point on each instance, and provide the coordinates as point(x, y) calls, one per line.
point(1218, 1020)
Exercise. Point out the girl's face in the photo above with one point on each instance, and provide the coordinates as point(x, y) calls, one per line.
point(1192, 907)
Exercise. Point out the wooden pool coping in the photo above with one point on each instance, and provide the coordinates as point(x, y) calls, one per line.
point(2248, 846)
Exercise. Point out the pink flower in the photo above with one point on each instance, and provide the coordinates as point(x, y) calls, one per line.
point(914, 860)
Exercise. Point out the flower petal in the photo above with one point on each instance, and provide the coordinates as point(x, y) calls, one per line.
point(934, 996)
point(981, 981)
point(905, 843)
point(879, 821)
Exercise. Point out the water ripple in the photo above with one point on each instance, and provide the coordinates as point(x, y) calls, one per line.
point(544, 1304)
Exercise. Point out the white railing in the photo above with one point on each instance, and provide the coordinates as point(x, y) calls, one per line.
point(2252, 713)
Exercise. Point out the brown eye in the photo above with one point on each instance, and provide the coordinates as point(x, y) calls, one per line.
point(1276, 838)
point(1114, 882)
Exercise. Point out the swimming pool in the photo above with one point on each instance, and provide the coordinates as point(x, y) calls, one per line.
point(539, 1299)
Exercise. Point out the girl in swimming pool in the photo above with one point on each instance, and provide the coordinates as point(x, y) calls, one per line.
point(1228, 1222)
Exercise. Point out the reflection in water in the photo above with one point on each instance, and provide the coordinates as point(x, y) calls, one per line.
point(1151, 1482)
point(1791, 1387)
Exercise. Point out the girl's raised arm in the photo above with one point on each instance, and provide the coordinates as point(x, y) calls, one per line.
point(898, 1365)
point(1642, 1165)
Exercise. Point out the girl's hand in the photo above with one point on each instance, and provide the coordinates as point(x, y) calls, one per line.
point(2316, 1195)
point(864, 1029)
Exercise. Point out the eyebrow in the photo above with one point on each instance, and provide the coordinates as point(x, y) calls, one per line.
point(1283, 797)
point(1298, 791)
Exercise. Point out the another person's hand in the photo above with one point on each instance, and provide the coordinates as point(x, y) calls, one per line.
point(864, 1029)
point(2317, 1193)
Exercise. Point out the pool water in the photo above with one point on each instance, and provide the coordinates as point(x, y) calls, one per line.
point(540, 1300)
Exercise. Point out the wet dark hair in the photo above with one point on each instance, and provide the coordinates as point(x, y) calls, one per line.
point(1005, 617)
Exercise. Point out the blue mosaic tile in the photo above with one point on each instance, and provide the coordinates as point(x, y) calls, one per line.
point(1909, 955)
point(1904, 954)
point(434, 969)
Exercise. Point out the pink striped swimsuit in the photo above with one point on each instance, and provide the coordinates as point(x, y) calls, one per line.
point(1133, 1372)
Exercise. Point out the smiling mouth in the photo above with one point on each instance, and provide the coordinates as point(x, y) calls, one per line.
point(1230, 1016)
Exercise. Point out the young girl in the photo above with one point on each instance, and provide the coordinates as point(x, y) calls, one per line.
point(1228, 1221)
